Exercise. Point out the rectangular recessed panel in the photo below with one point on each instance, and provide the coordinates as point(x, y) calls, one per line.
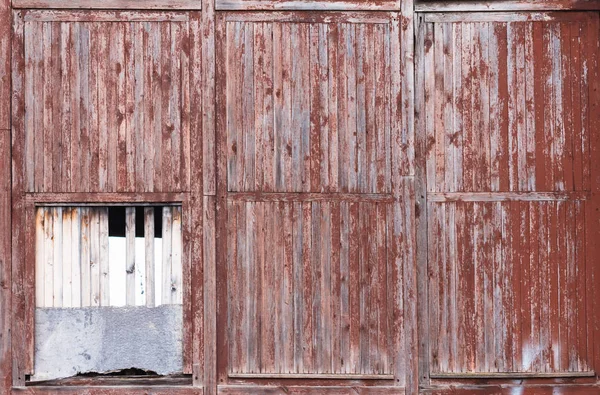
point(312, 288)
point(313, 106)
point(505, 287)
point(107, 103)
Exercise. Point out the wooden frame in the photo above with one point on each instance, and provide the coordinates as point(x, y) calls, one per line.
point(506, 5)
point(452, 12)
point(32, 201)
point(111, 4)
point(310, 5)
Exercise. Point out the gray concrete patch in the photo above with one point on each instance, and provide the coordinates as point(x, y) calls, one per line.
point(103, 339)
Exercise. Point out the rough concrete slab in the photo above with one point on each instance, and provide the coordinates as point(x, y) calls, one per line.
point(103, 339)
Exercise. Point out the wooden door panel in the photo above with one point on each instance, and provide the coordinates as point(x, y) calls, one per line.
point(312, 105)
point(504, 286)
point(507, 104)
point(508, 142)
point(310, 288)
point(107, 102)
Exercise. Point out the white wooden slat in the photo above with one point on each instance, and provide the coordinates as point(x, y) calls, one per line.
point(176, 268)
point(39, 257)
point(149, 246)
point(94, 257)
point(57, 256)
point(104, 267)
point(166, 254)
point(130, 255)
point(67, 262)
point(76, 257)
point(85, 256)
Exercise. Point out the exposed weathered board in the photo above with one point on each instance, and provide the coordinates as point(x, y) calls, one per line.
point(5, 262)
point(487, 259)
point(505, 5)
point(315, 5)
point(72, 258)
point(115, 113)
point(111, 4)
point(311, 105)
point(506, 132)
point(307, 284)
point(5, 28)
point(508, 106)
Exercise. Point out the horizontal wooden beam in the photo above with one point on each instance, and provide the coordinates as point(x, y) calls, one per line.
point(508, 16)
point(109, 390)
point(111, 4)
point(104, 16)
point(511, 375)
point(507, 5)
point(322, 376)
point(306, 389)
point(308, 197)
point(297, 5)
point(506, 196)
point(313, 17)
point(103, 199)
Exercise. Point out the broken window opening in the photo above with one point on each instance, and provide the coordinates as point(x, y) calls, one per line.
point(108, 290)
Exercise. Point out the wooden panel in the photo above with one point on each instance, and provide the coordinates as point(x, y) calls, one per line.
point(310, 105)
point(487, 258)
point(307, 286)
point(115, 113)
point(508, 104)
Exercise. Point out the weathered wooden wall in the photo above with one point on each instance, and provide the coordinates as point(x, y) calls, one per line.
point(330, 244)
point(507, 112)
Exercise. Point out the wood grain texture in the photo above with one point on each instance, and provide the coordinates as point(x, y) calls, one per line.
point(507, 122)
point(505, 111)
point(320, 5)
point(5, 64)
point(112, 4)
point(117, 126)
point(290, 147)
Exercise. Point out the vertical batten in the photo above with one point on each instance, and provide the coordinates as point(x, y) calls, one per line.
point(67, 262)
point(76, 257)
point(149, 247)
point(175, 280)
point(167, 254)
point(40, 226)
point(130, 256)
point(104, 254)
point(85, 257)
point(94, 257)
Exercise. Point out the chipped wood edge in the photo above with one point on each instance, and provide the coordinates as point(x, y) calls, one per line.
point(38, 15)
point(294, 5)
point(495, 16)
point(505, 5)
point(111, 4)
point(322, 17)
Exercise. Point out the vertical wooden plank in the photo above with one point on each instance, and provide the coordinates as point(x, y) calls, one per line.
point(48, 95)
point(530, 107)
point(76, 262)
point(130, 256)
point(176, 270)
point(439, 108)
point(67, 263)
point(6, 278)
point(97, 151)
point(267, 109)
point(85, 257)
point(287, 279)
point(15, 324)
point(208, 78)
point(80, 99)
point(267, 340)
point(149, 103)
point(95, 255)
point(105, 142)
point(5, 75)
point(57, 256)
point(307, 291)
point(103, 256)
point(39, 257)
point(332, 114)
point(175, 104)
point(315, 253)
point(149, 256)
point(167, 254)
point(247, 85)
